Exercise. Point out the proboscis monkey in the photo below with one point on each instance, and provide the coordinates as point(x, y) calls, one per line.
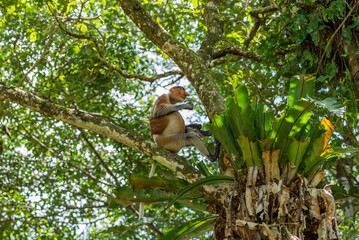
point(169, 131)
point(168, 128)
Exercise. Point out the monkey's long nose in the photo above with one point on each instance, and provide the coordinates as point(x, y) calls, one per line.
point(186, 94)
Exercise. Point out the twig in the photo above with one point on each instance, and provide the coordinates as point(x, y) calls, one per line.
point(257, 89)
point(223, 60)
point(332, 37)
point(150, 225)
point(238, 52)
point(99, 158)
point(252, 33)
point(79, 36)
point(268, 9)
point(85, 207)
point(87, 173)
point(141, 77)
point(81, 18)
point(43, 56)
point(87, 196)
point(258, 22)
point(102, 56)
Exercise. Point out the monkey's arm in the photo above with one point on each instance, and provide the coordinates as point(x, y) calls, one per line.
point(167, 109)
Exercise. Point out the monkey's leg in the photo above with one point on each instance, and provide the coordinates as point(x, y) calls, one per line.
point(176, 142)
point(196, 128)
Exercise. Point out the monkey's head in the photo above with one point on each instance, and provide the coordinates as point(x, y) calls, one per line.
point(178, 94)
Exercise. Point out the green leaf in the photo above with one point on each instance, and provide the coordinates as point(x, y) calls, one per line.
point(203, 169)
point(33, 36)
point(299, 88)
point(250, 150)
point(212, 180)
point(195, 3)
point(263, 120)
point(143, 182)
point(191, 229)
point(331, 70)
point(332, 105)
point(347, 34)
point(125, 196)
point(296, 150)
point(221, 130)
point(83, 28)
point(290, 123)
point(245, 117)
point(319, 136)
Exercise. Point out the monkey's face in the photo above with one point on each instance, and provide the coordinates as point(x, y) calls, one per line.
point(178, 93)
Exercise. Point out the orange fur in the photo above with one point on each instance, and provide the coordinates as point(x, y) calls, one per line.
point(172, 123)
point(168, 128)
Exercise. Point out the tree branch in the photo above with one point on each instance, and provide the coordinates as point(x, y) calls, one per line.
point(82, 119)
point(238, 52)
point(86, 207)
point(84, 171)
point(150, 225)
point(256, 12)
point(214, 32)
point(332, 37)
point(258, 22)
point(269, 103)
point(252, 33)
point(100, 158)
point(102, 58)
point(43, 56)
point(223, 61)
point(193, 66)
point(138, 76)
point(80, 18)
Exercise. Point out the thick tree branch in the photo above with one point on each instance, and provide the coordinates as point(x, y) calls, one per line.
point(238, 52)
point(82, 119)
point(214, 29)
point(193, 66)
point(85, 120)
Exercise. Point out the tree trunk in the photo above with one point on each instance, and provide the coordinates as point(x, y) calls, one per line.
point(283, 207)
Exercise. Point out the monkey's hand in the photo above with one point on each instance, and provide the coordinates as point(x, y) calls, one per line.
point(196, 128)
point(188, 106)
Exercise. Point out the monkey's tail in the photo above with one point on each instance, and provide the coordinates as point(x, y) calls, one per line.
point(216, 150)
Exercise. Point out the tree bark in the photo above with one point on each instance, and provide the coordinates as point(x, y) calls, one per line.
point(193, 65)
